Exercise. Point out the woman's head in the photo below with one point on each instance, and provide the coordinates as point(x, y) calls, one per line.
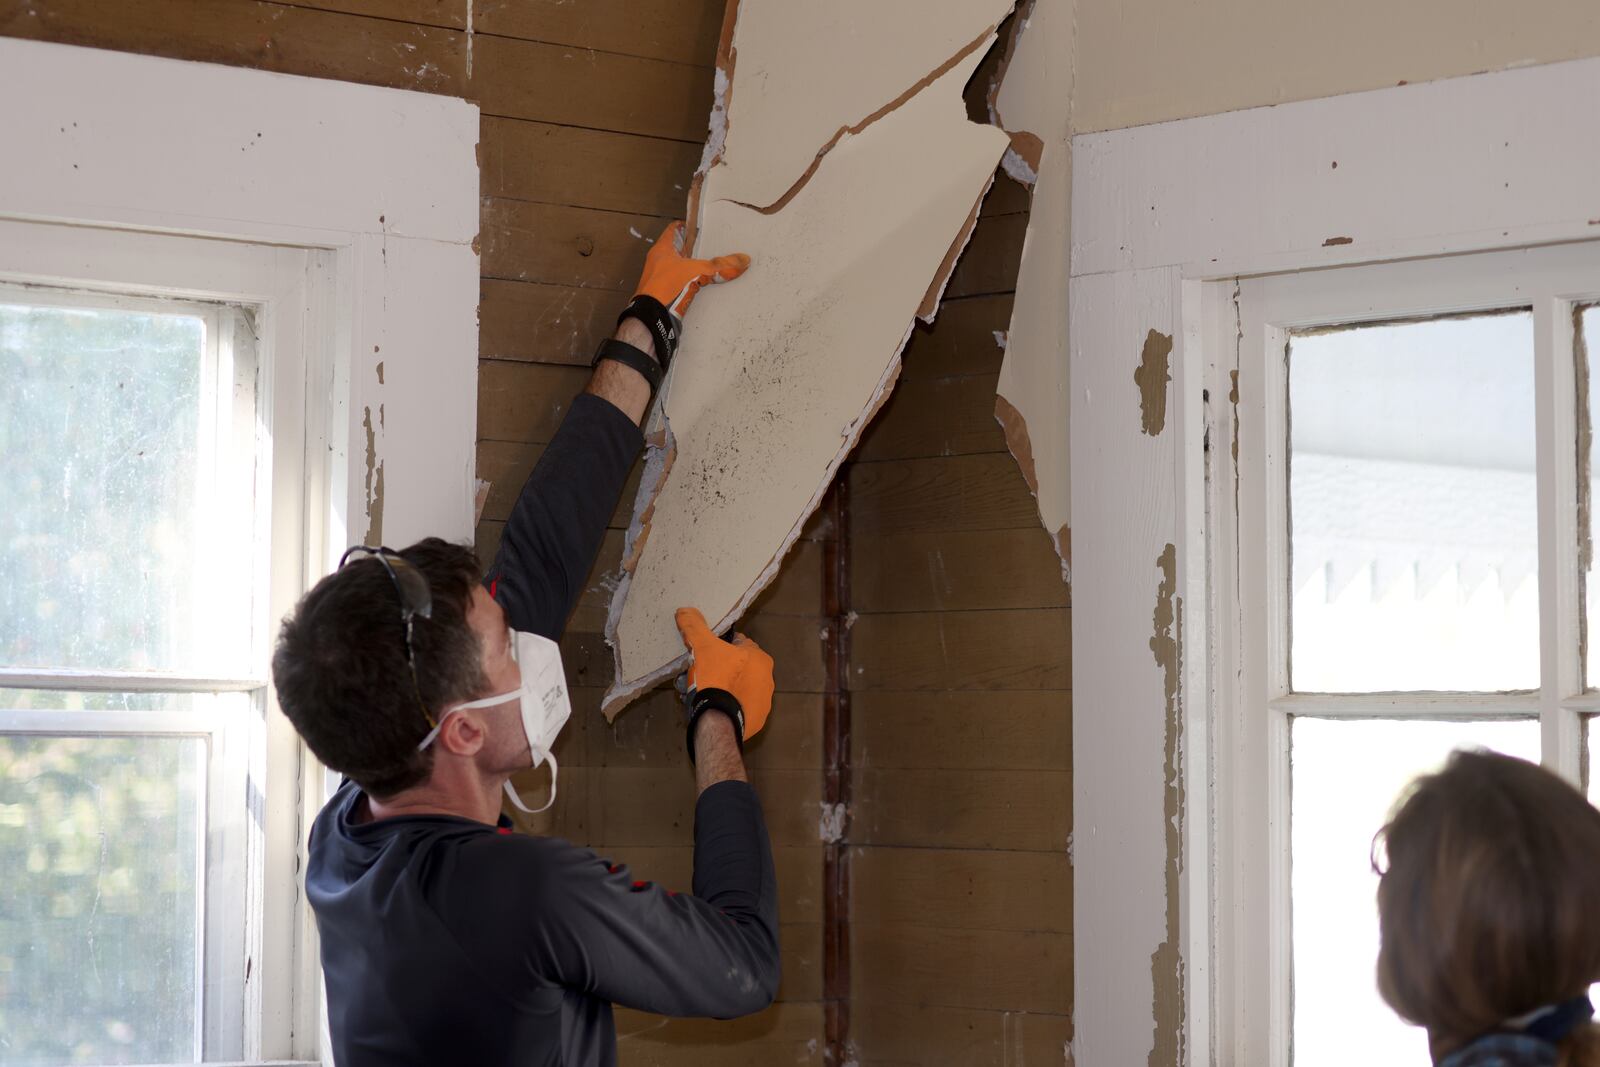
point(1489, 905)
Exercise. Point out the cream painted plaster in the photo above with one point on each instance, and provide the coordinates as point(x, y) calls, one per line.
point(1144, 61)
point(780, 371)
point(1033, 97)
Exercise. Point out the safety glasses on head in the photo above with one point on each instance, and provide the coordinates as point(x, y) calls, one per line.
point(415, 599)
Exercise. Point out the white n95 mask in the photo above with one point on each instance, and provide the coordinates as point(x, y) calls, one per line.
point(545, 705)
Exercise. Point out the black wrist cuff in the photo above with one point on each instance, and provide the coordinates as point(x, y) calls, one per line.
point(660, 321)
point(629, 356)
point(700, 701)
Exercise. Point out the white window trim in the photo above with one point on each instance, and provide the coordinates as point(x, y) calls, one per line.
point(376, 191)
point(1160, 214)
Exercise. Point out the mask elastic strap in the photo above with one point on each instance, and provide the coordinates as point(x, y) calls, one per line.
point(517, 800)
point(486, 702)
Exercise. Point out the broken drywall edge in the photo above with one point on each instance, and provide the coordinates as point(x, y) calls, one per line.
point(625, 687)
point(623, 690)
point(935, 294)
point(1030, 84)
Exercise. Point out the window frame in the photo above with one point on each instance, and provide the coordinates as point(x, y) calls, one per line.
point(378, 199)
point(244, 870)
point(1159, 213)
point(1252, 701)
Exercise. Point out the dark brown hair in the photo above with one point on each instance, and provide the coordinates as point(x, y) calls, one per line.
point(341, 673)
point(1490, 904)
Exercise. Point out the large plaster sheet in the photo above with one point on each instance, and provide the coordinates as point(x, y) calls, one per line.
point(842, 160)
point(1032, 100)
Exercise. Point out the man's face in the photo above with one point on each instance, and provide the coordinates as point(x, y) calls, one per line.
point(508, 749)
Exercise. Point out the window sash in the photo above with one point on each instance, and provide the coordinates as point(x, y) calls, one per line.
point(1248, 329)
point(263, 995)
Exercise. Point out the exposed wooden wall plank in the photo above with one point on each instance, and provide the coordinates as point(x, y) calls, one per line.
point(1006, 196)
point(449, 14)
point(900, 1034)
point(577, 86)
point(961, 889)
point(654, 807)
point(979, 492)
point(586, 168)
point(935, 417)
point(955, 570)
point(963, 730)
point(683, 31)
point(562, 245)
point(797, 590)
point(961, 340)
point(998, 969)
point(266, 36)
point(795, 644)
point(525, 402)
point(538, 323)
point(991, 259)
point(1001, 649)
point(1023, 810)
point(651, 734)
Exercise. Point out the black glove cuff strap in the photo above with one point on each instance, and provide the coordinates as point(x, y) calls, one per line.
point(661, 323)
point(701, 701)
point(629, 356)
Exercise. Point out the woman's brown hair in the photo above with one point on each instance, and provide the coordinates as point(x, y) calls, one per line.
point(1490, 904)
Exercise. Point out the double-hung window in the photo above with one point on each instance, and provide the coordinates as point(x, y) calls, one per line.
point(150, 397)
point(1404, 565)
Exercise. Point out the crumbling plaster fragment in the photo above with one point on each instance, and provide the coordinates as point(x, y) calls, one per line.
point(1032, 101)
point(841, 159)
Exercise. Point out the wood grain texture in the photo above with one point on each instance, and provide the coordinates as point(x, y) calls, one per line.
point(955, 570)
point(524, 402)
point(935, 417)
point(961, 340)
point(651, 734)
point(785, 1033)
point(562, 245)
point(797, 590)
point(898, 1035)
point(683, 31)
point(961, 889)
point(1022, 810)
point(578, 86)
point(1001, 649)
point(265, 36)
point(978, 492)
point(1002, 970)
point(568, 165)
point(992, 257)
point(795, 644)
point(539, 323)
point(961, 731)
point(450, 14)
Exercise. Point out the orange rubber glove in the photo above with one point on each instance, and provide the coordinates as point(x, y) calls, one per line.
point(672, 278)
point(738, 667)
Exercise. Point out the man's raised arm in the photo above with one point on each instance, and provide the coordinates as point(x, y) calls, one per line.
point(554, 532)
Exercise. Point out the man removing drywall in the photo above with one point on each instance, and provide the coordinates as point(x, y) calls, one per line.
point(446, 938)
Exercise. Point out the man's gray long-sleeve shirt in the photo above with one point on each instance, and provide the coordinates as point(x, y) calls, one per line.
point(446, 941)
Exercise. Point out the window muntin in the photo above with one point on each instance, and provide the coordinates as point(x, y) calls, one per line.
point(1586, 336)
point(1413, 506)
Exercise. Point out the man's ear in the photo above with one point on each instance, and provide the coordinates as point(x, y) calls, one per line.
point(464, 734)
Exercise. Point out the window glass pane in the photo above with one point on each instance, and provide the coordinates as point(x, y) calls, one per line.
point(100, 435)
point(1413, 507)
point(79, 700)
point(1346, 774)
point(1588, 330)
point(101, 841)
